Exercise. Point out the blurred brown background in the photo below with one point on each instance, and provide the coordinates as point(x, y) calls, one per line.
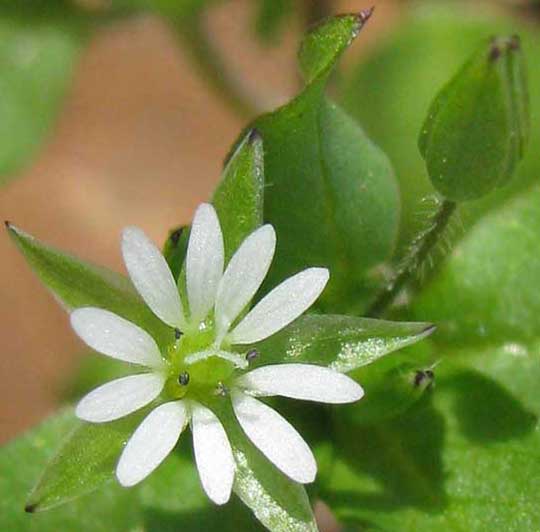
point(140, 141)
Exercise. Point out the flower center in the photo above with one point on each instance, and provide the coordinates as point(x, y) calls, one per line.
point(193, 369)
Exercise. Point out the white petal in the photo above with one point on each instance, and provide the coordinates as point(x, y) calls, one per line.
point(275, 437)
point(120, 397)
point(281, 306)
point(244, 275)
point(152, 277)
point(302, 381)
point(204, 261)
point(116, 337)
point(151, 443)
point(213, 454)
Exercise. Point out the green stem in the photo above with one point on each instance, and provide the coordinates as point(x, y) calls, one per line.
point(414, 259)
point(212, 66)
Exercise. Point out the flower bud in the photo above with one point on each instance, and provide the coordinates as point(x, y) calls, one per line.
point(477, 126)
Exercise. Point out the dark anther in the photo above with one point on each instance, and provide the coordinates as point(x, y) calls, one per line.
point(177, 333)
point(421, 376)
point(222, 389)
point(251, 355)
point(183, 378)
point(175, 236)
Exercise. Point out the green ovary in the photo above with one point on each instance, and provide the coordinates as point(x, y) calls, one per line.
point(204, 377)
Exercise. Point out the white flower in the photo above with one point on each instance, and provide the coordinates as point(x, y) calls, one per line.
point(203, 357)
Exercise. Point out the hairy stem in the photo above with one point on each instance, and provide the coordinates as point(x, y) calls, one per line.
point(414, 258)
point(212, 66)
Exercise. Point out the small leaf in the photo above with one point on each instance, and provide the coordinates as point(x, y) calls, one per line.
point(238, 198)
point(323, 45)
point(477, 126)
point(328, 188)
point(343, 343)
point(76, 283)
point(278, 502)
point(85, 461)
point(37, 53)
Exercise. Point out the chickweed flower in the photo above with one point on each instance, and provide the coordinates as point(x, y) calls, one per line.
point(205, 357)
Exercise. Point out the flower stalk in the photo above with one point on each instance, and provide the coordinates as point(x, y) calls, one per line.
point(418, 253)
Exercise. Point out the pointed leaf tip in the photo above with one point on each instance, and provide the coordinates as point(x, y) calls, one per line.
point(365, 14)
point(254, 136)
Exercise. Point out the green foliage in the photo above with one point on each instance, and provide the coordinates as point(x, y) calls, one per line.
point(85, 461)
point(462, 459)
point(486, 291)
point(76, 283)
point(344, 343)
point(169, 500)
point(278, 502)
point(477, 126)
point(331, 193)
point(459, 451)
point(389, 92)
point(38, 50)
point(239, 196)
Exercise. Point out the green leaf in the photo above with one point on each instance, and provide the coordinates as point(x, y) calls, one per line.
point(76, 283)
point(239, 196)
point(171, 499)
point(86, 460)
point(343, 343)
point(329, 189)
point(486, 291)
point(464, 460)
point(279, 503)
point(477, 126)
point(38, 50)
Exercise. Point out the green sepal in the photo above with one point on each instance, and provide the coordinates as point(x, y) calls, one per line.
point(85, 461)
point(277, 502)
point(343, 343)
point(239, 196)
point(478, 125)
point(76, 283)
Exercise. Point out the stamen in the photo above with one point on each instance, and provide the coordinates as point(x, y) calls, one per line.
point(177, 333)
point(237, 360)
point(251, 355)
point(183, 378)
point(222, 389)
